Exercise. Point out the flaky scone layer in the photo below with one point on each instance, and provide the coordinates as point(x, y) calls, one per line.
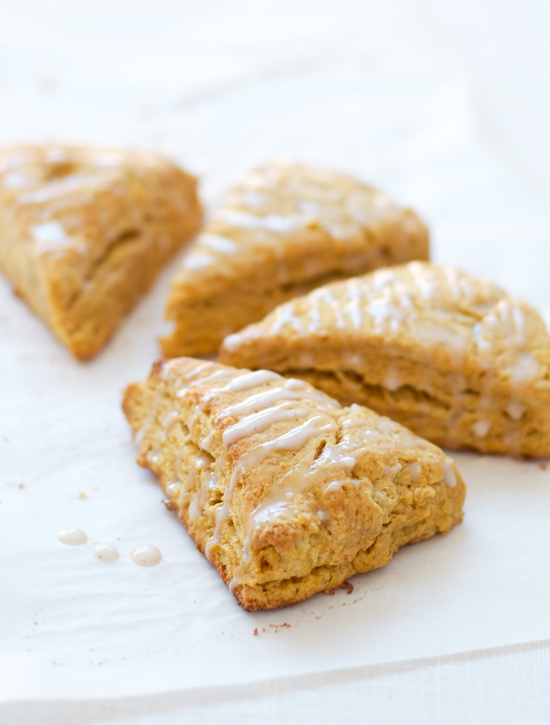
point(283, 231)
point(452, 357)
point(84, 232)
point(286, 492)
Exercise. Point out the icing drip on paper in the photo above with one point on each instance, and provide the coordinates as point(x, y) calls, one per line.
point(73, 536)
point(106, 552)
point(146, 555)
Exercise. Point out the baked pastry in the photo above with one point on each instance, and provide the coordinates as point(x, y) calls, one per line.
point(450, 356)
point(286, 492)
point(283, 231)
point(84, 232)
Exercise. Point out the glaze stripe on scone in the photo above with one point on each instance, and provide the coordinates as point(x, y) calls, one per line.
point(283, 231)
point(84, 232)
point(452, 357)
point(286, 492)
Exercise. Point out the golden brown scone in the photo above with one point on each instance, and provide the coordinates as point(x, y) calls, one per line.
point(283, 231)
point(286, 492)
point(450, 356)
point(84, 232)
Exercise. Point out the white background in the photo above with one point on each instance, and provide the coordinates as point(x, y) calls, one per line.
point(446, 107)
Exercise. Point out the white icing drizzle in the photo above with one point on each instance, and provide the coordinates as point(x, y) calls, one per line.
point(354, 306)
point(271, 222)
point(328, 298)
point(314, 313)
point(219, 243)
point(146, 555)
point(425, 280)
point(385, 313)
point(252, 380)
point(73, 536)
point(286, 391)
point(260, 421)
point(207, 486)
point(198, 261)
point(207, 442)
point(285, 316)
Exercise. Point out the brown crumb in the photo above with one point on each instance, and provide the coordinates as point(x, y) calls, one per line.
point(543, 466)
point(256, 632)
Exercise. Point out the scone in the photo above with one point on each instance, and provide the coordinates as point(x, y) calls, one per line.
point(84, 232)
point(283, 231)
point(452, 357)
point(286, 492)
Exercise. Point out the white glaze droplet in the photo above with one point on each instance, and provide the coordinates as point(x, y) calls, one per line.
point(481, 428)
point(449, 473)
point(106, 552)
point(146, 555)
point(515, 410)
point(392, 383)
point(526, 369)
point(73, 536)
point(50, 235)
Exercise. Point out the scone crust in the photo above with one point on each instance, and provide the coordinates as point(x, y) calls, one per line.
point(85, 230)
point(285, 229)
point(286, 492)
point(450, 356)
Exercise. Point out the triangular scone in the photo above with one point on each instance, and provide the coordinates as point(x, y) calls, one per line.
point(283, 231)
point(450, 356)
point(286, 492)
point(84, 232)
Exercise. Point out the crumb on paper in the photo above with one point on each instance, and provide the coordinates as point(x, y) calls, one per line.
point(543, 466)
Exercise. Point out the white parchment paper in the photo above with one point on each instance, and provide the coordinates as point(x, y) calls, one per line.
point(400, 115)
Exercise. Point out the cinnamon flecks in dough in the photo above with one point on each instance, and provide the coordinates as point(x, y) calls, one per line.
point(452, 357)
point(84, 232)
point(286, 492)
point(283, 231)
